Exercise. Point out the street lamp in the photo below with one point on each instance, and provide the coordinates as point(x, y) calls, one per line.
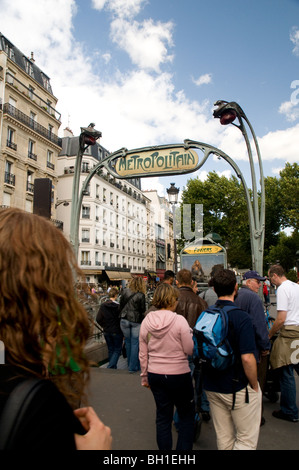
point(88, 136)
point(58, 203)
point(173, 194)
point(227, 113)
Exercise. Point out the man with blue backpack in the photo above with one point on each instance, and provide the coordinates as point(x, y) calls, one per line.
point(224, 342)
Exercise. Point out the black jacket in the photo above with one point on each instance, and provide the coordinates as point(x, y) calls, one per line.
point(49, 423)
point(132, 306)
point(108, 317)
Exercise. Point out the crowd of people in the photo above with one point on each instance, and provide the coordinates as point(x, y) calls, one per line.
point(167, 368)
point(44, 329)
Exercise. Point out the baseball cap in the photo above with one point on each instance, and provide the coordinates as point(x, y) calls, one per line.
point(253, 275)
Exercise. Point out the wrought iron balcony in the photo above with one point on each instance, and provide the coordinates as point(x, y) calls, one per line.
point(11, 145)
point(30, 187)
point(29, 122)
point(29, 93)
point(9, 178)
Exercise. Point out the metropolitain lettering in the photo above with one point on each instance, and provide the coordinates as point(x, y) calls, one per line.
point(156, 162)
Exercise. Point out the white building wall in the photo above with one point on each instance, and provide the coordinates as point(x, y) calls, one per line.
point(113, 223)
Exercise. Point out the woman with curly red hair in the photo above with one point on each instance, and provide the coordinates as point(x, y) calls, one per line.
point(44, 329)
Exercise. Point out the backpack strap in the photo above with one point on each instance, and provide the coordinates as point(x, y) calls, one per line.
point(229, 308)
point(15, 409)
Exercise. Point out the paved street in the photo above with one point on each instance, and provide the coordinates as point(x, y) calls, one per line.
point(129, 410)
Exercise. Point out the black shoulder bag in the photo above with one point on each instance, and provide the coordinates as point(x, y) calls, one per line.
point(15, 409)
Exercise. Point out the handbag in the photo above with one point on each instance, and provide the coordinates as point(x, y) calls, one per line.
point(128, 300)
point(15, 409)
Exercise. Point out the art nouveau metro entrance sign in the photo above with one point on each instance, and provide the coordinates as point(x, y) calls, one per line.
point(162, 160)
point(175, 159)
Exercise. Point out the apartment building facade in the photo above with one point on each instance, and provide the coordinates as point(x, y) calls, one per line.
point(29, 123)
point(160, 237)
point(113, 221)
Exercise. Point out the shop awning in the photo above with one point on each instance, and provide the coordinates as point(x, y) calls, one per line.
point(152, 274)
point(118, 275)
point(92, 271)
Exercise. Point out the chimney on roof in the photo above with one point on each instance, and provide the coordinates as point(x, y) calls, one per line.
point(68, 132)
point(32, 57)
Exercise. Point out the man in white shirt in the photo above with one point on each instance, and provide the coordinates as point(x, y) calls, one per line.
point(285, 351)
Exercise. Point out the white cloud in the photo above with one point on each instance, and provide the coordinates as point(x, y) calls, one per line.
point(120, 8)
point(202, 175)
point(294, 36)
point(132, 109)
point(226, 173)
point(282, 144)
point(106, 57)
point(150, 184)
point(203, 79)
point(39, 26)
point(146, 43)
point(231, 142)
point(289, 109)
point(276, 171)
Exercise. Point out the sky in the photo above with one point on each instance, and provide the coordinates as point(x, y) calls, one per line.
point(148, 72)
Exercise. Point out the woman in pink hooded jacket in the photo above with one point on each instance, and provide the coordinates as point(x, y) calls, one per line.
point(165, 341)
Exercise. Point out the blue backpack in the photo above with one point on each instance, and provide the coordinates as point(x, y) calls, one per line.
point(210, 338)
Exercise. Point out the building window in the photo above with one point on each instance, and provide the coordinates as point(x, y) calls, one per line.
point(28, 67)
point(10, 77)
point(31, 153)
point(85, 258)
point(104, 238)
point(85, 212)
point(28, 205)
point(10, 139)
point(30, 184)
point(32, 119)
point(111, 241)
point(9, 177)
point(85, 235)
point(97, 213)
point(85, 167)
point(6, 199)
point(31, 92)
point(10, 51)
point(46, 83)
point(50, 163)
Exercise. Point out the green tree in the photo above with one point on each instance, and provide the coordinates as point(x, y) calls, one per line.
point(224, 212)
point(289, 195)
point(274, 212)
point(284, 252)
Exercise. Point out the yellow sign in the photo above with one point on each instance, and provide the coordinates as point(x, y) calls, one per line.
point(206, 249)
point(156, 161)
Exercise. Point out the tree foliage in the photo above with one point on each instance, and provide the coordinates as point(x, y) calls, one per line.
point(289, 196)
point(225, 212)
